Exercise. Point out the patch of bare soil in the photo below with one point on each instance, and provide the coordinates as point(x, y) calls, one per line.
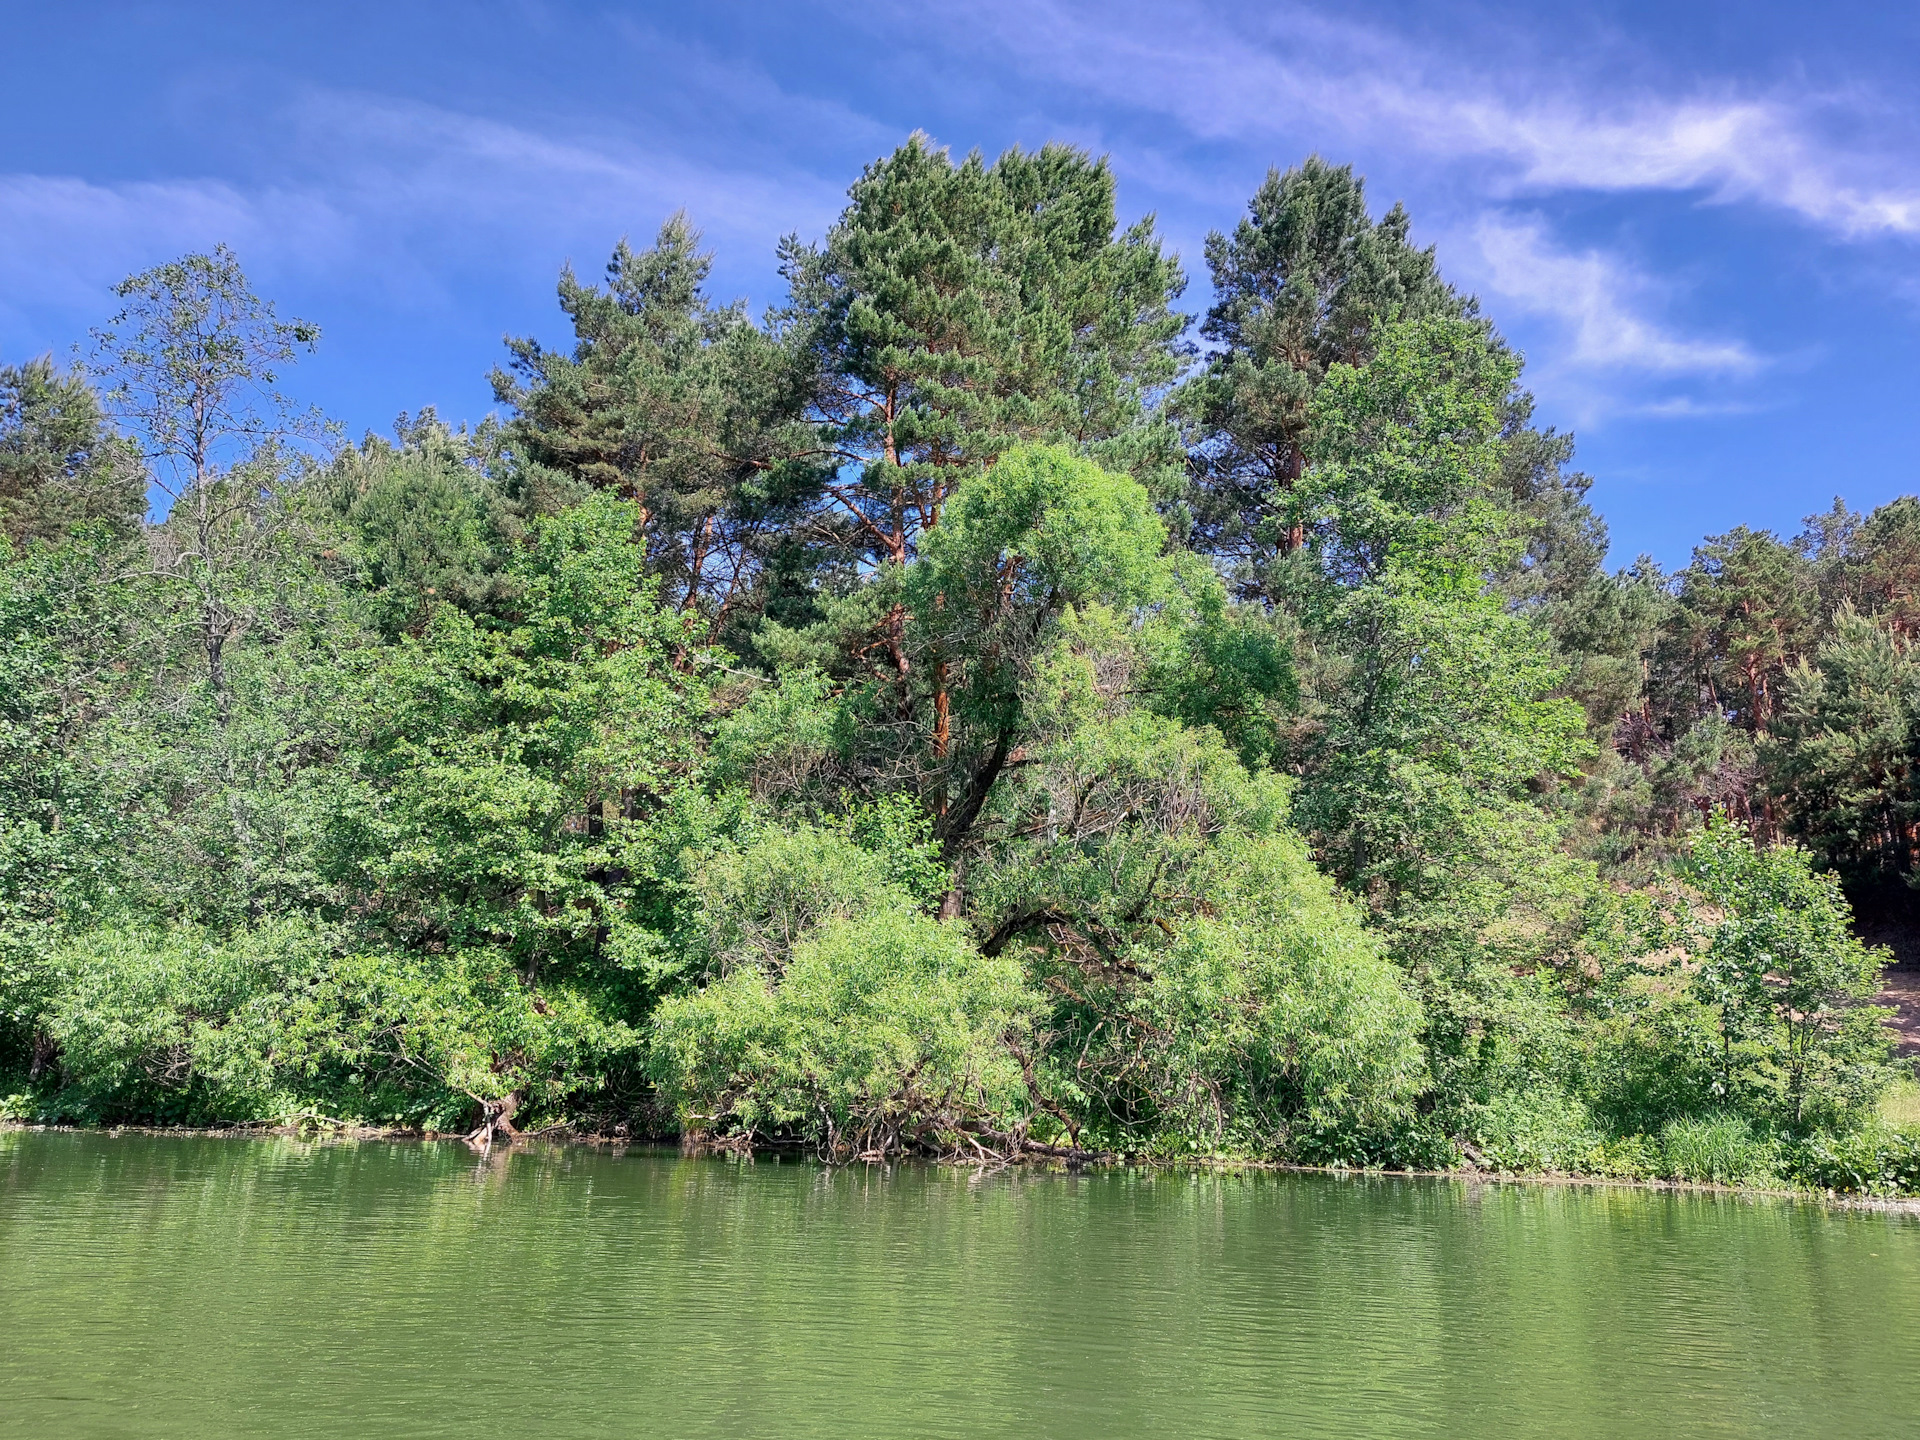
point(1897, 930)
point(1900, 988)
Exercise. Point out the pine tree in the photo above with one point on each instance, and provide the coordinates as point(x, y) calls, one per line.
point(958, 310)
point(1748, 609)
point(1301, 284)
point(60, 463)
point(686, 408)
point(1882, 565)
point(1305, 282)
point(1840, 759)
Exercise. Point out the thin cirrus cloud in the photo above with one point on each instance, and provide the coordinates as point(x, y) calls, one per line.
point(417, 205)
point(1293, 73)
point(63, 239)
point(390, 196)
point(1600, 303)
point(1759, 151)
point(428, 158)
point(1470, 134)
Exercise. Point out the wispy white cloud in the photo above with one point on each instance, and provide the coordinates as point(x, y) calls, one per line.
point(65, 242)
point(388, 195)
point(1688, 407)
point(1600, 303)
point(63, 239)
point(1293, 73)
point(426, 162)
point(1763, 151)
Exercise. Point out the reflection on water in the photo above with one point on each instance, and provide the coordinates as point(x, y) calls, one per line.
point(155, 1286)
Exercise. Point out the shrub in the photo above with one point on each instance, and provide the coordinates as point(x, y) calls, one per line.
point(1624, 1157)
point(1266, 1026)
point(1268, 1021)
point(1787, 973)
point(883, 1033)
point(179, 1027)
point(175, 1026)
point(1542, 1129)
point(440, 1041)
point(754, 897)
point(1874, 1161)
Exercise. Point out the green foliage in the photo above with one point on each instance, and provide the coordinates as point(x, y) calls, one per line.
point(65, 614)
point(1207, 661)
point(174, 1026)
point(881, 1030)
point(61, 465)
point(1405, 450)
point(1719, 1150)
point(1786, 973)
point(275, 1024)
point(758, 893)
point(1539, 1130)
point(1746, 606)
point(685, 408)
point(1302, 285)
point(1872, 1160)
point(782, 739)
point(497, 767)
point(440, 1041)
point(1276, 1013)
point(1650, 1050)
point(876, 727)
point(1434, 705)
point(1040, 532)
point(1844, 743)
point(193, 358)
point(423, 522)
point(955, 311)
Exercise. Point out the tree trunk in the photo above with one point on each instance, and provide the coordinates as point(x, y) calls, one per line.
point(496, 1117)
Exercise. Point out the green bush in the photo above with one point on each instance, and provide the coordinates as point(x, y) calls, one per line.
point(1268, 1020)
point(757, 895)
point(436, 1042)
point(1541, 1130)
point(1788, 975)
point(1262, 1026)
point(1414, 1142)
point(883, 1032)
point(1874, 1161)
point(1624, 1157)
point(179, 1027)
point(1651, 1052)
point(174, 1026)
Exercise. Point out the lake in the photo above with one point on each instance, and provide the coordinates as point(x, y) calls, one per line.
point(160, 1286)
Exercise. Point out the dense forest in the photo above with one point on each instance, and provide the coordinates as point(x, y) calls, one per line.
point(971, 709)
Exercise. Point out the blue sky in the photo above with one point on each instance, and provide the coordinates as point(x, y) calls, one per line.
point(1700, 222)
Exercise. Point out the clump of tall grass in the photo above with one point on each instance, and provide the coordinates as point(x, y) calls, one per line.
point(1719, 1150)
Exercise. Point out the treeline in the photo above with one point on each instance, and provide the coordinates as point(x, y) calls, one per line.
point(960, 711)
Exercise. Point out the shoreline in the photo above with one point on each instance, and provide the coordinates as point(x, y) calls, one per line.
point(559, 1137)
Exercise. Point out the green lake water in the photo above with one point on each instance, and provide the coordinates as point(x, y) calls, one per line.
point(153, 1286)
